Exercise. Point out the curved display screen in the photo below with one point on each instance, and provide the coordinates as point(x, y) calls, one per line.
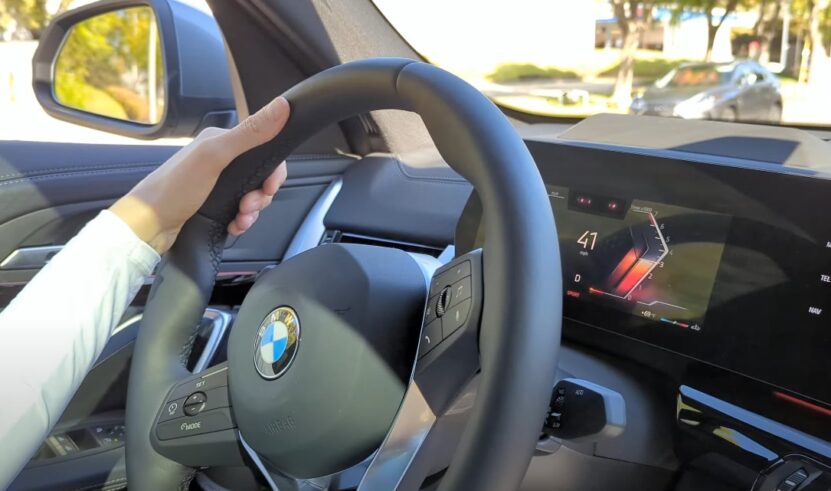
point(653, 260)
point(727, 265)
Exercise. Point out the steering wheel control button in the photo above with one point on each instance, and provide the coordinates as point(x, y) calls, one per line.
point(217, 398)
point(430, 337)
point(430, 313)
point(459, 291)
point(449, 276)
point(443, 302)
point(195, 403)
point(172, 410)
point(206, 422)
point(276, 342)
point(455, 317)
point(204, 383)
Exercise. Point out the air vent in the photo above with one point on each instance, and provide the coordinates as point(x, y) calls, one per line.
point(332, 236)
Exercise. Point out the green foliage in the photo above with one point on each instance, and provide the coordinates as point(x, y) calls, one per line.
point(29, 15)
point(647, 69)
point(515, 72)
point(710, 5)
point(26, 14)
point(73, 91)
point(103, 65)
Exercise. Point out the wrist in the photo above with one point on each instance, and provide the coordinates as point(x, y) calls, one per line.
point(143, 221)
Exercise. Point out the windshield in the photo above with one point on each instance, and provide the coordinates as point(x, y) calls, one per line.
point(754, 60)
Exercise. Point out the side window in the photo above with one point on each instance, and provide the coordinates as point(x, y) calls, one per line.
point(739, 75)
point(761, 77)
point(21, 116)
point(744, 76)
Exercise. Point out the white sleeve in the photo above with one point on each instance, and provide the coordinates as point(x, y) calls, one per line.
point(57, 326)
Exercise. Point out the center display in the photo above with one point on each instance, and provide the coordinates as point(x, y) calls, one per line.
point(652, 260)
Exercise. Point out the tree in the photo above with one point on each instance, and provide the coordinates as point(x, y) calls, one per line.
point(633, 18)
point(714, 21)
point(30, 16)
point(765, 28)
point(812, 22)
point(818, 59)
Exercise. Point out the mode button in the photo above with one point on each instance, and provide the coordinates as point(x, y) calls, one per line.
point(206, 422)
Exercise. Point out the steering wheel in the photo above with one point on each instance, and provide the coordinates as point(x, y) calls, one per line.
point(333, 360)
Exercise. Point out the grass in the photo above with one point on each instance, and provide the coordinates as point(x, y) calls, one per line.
point(551, 107)
point(517, 72)
point(647, 69)
point(649, 66)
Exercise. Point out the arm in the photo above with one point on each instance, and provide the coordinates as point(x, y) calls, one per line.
point(54, 330)
point(57, 326)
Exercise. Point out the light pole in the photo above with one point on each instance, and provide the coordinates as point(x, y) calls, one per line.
point(786, 28)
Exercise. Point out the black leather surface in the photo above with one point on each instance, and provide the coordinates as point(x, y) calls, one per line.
point(177, 299)
point(343, 388)
point(384, 197)
point(522, 311)
point(38, 175)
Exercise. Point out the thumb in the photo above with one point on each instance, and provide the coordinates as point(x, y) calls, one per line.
point(257, 128)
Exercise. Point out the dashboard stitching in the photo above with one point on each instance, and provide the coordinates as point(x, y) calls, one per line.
point(79, 167)
point(49, 177)
point(133, 165)
point(446, 180)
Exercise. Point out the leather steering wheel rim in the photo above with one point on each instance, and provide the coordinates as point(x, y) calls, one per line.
point(521, 316)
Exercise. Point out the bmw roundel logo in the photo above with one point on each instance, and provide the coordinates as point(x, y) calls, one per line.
point(276, 343)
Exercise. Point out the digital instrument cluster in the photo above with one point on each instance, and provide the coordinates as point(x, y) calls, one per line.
point(648, 259)
point(729, 266)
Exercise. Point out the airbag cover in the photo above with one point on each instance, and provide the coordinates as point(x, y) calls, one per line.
point(359, 309)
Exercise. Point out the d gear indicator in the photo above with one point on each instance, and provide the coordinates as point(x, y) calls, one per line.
point(653, 260)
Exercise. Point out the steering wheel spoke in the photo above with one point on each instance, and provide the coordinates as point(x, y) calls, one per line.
point(281, 482)
point(448, 358)
point(195, 426)
point(447, 361)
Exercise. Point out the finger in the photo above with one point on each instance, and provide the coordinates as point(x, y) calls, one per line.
point(256, 129)
point(253, 201)
point(266, 201)
point(245, 221)
point(275, 180)
point(233, 229)
point(242, 223)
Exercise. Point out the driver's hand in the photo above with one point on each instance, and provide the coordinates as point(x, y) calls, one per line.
point(159, 205)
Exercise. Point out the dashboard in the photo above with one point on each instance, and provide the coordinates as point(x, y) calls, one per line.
point(727, 266)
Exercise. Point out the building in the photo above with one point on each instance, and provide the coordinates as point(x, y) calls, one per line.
point(684, 37)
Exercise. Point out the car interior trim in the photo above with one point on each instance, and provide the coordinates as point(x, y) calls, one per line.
point(126, 324)
point(258, 463)
point(30, 257)
point(758, 421)
point(412, 425)
point(221, 322)
point(311, 230)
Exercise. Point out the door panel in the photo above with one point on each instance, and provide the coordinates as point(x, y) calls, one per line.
point(48, 192)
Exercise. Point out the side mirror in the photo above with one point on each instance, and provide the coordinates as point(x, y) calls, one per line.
point(141, 68)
